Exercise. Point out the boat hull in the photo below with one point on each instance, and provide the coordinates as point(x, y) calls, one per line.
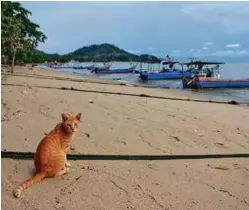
point(115, 71)
point(202, 82)
point(82, 67)
point(164, 75)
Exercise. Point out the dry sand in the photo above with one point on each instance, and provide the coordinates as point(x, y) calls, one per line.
point(119, 124)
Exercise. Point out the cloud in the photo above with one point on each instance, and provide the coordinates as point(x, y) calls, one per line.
point(208, 43)
point(192, 50)
point(233, 45)
point(230, 15)
point(176, 52)
point(231, 53)
point(151, 48)
point(205, 48)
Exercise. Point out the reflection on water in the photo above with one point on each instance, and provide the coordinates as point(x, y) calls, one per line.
point(229, 70)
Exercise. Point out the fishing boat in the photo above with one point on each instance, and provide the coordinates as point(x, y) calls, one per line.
point(83, 67)
point(62, 67)
point(116, 71)
point(209, 82)
point(167, 73)
point(204, 77)
point(105, 67)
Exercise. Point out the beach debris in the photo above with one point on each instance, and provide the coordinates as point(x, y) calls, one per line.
point(171, 115)
point(90, 101)
point(195, 130)
point(233, 102)
point(222, 145)
point(176, 138)
point(25, 92)
point(221, 167)
point(90, 168)
point(87, 134)
point(218, 143)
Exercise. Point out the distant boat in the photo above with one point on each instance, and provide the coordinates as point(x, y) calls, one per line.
point(116, 71)
point(83, 67)
point(62, 67)
point(99, 68)
point(209, 82)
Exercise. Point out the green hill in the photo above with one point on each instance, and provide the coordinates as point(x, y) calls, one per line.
point(96, 53)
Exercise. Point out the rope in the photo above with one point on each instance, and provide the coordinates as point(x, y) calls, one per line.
point(127, 94)
point(30, 156)
point(86, 80)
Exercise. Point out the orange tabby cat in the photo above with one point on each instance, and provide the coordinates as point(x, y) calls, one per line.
point(50, 158)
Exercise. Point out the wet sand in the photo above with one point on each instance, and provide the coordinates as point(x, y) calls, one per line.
point(128, 125)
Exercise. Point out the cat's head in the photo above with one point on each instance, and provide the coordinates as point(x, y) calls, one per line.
point(69, 122)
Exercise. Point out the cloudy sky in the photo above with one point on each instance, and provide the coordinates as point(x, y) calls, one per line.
point(176, 28)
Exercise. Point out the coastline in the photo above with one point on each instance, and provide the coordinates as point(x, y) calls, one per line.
point(119, 124)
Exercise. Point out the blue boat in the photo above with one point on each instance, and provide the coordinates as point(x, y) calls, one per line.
point(83, 67)
point(204, 78)
point(62, 67)
point(168, 73)
point(208, 82)
point(116, 71)
point(172, 75)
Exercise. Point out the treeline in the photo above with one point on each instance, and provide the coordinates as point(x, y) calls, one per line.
point(97, 53)
point(19, 35)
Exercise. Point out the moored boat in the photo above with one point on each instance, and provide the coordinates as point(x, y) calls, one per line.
point(105, 67)
point(173, 75)
point(167, 73)
point(83, 67)
point(204, 78)
point(116, 71)
point(209, 82)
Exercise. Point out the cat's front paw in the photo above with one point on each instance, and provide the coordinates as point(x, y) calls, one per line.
point(68, 164)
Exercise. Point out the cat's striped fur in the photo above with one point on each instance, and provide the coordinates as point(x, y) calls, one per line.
point(50, 158)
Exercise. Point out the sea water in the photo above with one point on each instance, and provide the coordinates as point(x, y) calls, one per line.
point(228, 70)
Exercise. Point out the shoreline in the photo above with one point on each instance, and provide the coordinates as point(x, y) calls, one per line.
point(70, 76)
point(116, 124)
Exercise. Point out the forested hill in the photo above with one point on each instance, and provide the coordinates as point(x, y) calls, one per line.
point(97, 53)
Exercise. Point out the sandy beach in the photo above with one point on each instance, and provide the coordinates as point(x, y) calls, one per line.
point(32, 103)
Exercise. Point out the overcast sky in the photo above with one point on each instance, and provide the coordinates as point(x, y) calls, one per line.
point(159, 28)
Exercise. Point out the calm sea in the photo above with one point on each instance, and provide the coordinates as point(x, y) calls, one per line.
point(228, 70)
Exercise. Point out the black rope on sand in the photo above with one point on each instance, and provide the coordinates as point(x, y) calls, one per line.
point(30, 156)
point(127, 94)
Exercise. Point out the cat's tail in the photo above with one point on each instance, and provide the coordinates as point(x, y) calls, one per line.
point(36, 178)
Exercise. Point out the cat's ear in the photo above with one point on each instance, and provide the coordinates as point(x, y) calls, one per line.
point(78, 116)
point(64, 116)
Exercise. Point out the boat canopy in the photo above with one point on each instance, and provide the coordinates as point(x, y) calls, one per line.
point(169, 62)
point(202, 63)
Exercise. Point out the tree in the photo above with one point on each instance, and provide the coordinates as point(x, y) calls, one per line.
point(19, 34)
